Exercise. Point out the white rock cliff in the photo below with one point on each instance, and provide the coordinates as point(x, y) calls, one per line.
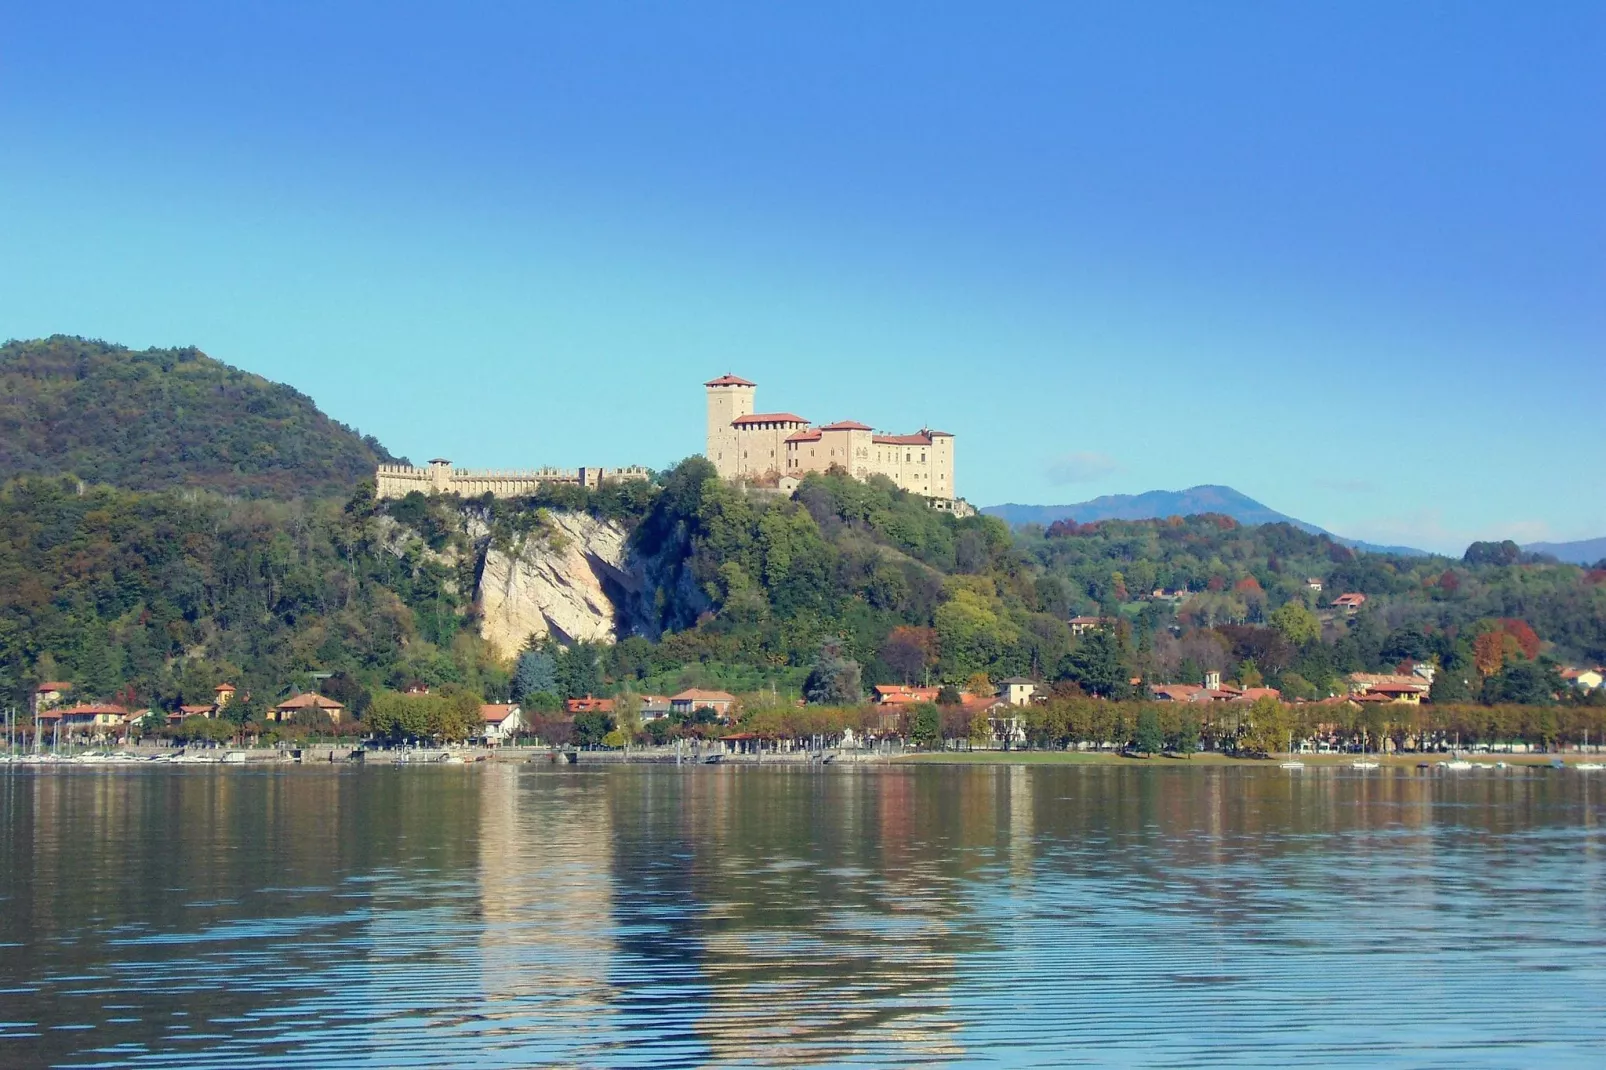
point(564, 585)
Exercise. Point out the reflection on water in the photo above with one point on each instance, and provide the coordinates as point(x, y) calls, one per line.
point(508, 916)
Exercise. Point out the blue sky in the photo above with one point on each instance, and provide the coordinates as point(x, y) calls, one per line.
point(1349, 259)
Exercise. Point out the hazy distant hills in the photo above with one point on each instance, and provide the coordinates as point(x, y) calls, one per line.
point(1582, 552)
point(1162, 503)
point(160, 419)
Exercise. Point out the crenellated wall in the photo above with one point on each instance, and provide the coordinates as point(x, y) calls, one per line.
point(400, 480)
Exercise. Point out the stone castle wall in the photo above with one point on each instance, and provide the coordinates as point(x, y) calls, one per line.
point(400, 480)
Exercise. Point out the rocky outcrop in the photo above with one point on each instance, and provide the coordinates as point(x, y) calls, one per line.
point(574, 582)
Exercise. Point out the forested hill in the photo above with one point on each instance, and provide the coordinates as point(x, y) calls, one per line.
point(160, 419)
point(155, 597)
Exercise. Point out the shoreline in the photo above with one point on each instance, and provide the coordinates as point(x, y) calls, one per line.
point(334, 755)
point(1212, 759)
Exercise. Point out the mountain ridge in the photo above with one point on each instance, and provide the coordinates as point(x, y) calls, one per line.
point(1577, 552)
point(1157, 504)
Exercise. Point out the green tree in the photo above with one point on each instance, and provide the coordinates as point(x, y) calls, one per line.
point(925, 724)
point(627, 714)
point(1188, 736)
point(1097, 665)
point(535, 671)
point(834, 679)
point(590, 728)
point(1296, 623)
point(1267, 727)
point(1148, 738)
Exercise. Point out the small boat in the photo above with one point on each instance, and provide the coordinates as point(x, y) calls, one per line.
point(451, 759)
point(1458, 763)
point(1365, 763)
point(1293, 764)
point(1588, 767)
point(234, 757)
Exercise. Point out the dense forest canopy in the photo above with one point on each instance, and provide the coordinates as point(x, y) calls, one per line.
point(169, 522)
point(158, 419)
point(158, 596)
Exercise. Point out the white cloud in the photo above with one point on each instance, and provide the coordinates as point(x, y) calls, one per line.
point(1081, 468)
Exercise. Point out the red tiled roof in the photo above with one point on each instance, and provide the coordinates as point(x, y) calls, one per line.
point(770, 418)
point(803, 436)
point(83, 709)
point(729, 380)
point(846, 425)
point(53, 685)
point(196, 710)
point(496, 713)
point(311, 700)
point(696, 695)
point(588, 705)
point(1398, 689)
point(897, 694)
point(225, 687)
point(938, 434)
point(1349, 599)
point(901, 440)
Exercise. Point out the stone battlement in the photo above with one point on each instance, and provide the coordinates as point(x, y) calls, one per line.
point(400, 480)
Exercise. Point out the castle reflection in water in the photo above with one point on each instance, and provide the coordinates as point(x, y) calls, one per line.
point(505, 915)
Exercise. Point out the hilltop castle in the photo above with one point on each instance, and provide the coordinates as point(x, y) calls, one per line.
point(782, 446)
point(771, 448)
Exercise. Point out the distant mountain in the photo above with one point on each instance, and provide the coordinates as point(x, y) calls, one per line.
point(159, 419)
point(1163, 503)
point(1582, 552)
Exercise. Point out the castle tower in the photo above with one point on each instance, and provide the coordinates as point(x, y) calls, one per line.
point(729, 398)
point(440, 475)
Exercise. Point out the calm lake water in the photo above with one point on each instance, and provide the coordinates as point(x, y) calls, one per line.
point(523, 916)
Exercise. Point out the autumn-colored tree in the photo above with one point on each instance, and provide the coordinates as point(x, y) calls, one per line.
point(981, 729)
point(1527, 640)
point(1449, 583)
point(909, 652)
point(980, 685)
point(1248, 586)
point(1489, 651)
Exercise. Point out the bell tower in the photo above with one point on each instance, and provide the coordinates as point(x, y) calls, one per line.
point(729, 397)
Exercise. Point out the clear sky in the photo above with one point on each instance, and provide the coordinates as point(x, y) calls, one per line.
point(1349, 259)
